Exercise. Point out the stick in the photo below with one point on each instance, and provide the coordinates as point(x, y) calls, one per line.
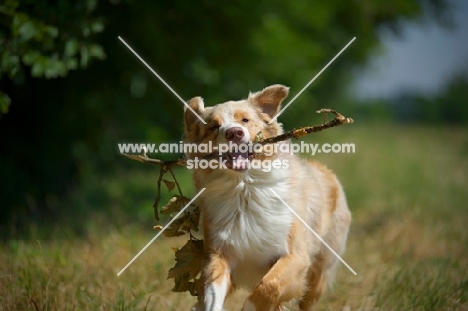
point(303, 131)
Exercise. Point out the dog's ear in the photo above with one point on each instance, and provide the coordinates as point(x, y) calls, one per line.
point(270, 98)
point(197, 105)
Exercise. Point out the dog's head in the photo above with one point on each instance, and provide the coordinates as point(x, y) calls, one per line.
point(233, 123)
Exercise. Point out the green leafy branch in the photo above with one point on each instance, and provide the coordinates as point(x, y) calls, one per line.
point(49, 40)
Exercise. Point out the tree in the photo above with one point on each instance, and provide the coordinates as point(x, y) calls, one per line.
point(46, 38)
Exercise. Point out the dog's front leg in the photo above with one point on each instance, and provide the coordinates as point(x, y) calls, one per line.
point(217, 282)
point(285, 281)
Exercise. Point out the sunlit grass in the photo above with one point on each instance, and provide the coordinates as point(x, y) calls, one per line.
point(81, 274)
point(407, 188)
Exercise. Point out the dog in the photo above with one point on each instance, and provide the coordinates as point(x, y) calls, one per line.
point(252, 238)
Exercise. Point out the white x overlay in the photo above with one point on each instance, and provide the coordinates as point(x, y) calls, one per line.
point(203, 189)
point(162, 80)
point(313, 231)
point(310, 82)
point(160, 232)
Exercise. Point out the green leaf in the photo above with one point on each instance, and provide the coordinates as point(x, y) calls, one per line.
point(91, 5)
point(8, 61)
point(27, 31)
point(71, 47)
point(52, 31)
point(30, 57)
point(38, 68)
point(96, 50)
point(54, 68)
point(84, 56)
point(5, 103)
point(9, 7)
point(71, 63)
point(97, 26)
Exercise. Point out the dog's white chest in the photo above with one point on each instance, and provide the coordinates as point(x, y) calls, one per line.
point(248, 221)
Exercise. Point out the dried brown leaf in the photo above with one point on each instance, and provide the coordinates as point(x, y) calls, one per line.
point(196, 286)
point(258, 137)
point(169, 184)
point(190, 223)
point(300, 132)
point(186, 225)
point(181, 283)
point(174, 228)
point(189, 262)
point(194, 220)
point(175, 204)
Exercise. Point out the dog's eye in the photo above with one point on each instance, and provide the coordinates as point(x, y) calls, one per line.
point(213, 127)
point(245, 120)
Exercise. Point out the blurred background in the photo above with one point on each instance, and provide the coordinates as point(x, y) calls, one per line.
point(73, 211)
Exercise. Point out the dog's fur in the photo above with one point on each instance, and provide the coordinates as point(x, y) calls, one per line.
point(251, 238)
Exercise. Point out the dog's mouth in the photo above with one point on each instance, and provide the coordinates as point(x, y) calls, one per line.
point(238, 161)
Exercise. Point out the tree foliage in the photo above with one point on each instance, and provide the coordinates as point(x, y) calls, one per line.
point(46, 39)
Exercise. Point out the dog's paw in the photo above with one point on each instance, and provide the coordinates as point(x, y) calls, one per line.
point(199, 306)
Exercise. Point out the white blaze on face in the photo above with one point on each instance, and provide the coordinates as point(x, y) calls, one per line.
point(236, 153)
point(228, 121)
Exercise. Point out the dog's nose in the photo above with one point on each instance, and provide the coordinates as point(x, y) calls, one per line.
point(235, 133)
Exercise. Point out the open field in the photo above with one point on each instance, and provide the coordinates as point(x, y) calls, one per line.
point(407, 188)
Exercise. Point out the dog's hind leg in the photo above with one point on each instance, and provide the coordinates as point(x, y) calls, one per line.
point(317, 283)
point(324, 265)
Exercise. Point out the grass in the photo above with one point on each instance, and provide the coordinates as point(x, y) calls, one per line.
point(407, 189)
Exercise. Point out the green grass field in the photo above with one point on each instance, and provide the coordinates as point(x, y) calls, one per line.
point(407, 188)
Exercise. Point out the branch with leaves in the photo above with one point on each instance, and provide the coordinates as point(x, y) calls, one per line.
point(189, 259)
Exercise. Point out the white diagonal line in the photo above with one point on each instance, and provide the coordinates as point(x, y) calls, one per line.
point(313, 231)
point(310, 82)
point(162, 80)
point(160, 232)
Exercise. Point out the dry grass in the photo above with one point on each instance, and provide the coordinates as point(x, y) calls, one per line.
point(407, 188)
point(81, 274)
